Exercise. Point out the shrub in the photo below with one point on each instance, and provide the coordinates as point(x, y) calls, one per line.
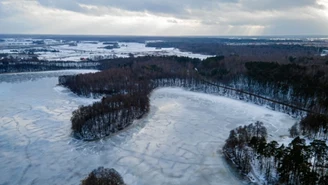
point(103, 176)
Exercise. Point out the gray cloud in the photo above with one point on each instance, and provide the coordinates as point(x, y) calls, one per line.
point(211, 17)
point(173, 7)
point(277, 4)
point(179, 7)
point(71, 5)
point(298, 27)
point(172, 21)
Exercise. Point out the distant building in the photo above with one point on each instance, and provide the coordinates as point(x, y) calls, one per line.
point(324, 53)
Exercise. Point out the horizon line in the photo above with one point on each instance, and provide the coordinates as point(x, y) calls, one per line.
point(201, 36)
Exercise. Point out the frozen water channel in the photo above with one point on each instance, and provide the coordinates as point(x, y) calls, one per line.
point(178, 142)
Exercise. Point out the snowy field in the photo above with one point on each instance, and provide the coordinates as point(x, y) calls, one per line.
point(92, 51)
point(89, 50)
point(178, 142)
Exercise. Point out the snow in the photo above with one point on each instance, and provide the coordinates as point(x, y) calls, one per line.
point(90, 50)
point(178, 142)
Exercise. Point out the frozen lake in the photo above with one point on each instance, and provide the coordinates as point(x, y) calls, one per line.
point(178, 142)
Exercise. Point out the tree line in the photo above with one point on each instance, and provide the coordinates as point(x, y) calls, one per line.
point(13, 65)
point(312, 126)
point(245, 49)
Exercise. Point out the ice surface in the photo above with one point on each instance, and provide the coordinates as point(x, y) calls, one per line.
point(178, 142)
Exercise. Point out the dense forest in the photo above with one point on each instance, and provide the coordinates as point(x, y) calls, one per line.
point(297, 163)
point(312, 126)
point(303, 85)
point(248, 51)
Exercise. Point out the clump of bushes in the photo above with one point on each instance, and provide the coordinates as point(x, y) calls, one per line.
point(103, 176)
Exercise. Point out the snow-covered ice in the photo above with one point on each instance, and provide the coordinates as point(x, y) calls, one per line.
point(178, 142)
point(94, 50)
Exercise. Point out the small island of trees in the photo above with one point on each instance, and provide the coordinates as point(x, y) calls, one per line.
point(103, 176)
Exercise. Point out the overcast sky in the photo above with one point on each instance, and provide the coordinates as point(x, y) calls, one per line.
point(165, 17)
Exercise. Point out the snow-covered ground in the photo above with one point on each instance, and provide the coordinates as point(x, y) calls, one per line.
point(89, 50)
point(92, 51)
point(178, 142)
